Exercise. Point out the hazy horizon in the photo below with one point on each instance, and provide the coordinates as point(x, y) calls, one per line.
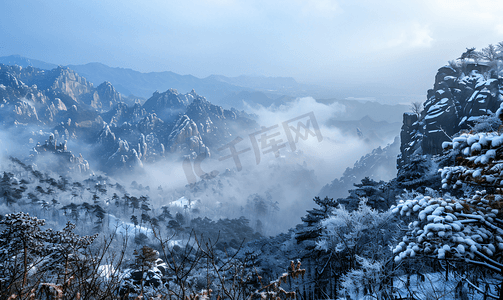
point(360, 49)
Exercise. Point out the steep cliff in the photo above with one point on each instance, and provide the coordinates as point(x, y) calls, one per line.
point(464, 91)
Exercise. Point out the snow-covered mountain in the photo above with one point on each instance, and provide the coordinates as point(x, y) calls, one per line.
point(432, 231)
point(120, 135)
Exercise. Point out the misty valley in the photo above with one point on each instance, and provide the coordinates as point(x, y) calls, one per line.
point(117, 184)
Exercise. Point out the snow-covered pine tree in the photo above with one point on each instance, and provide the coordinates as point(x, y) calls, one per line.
point(469, 228)
point(418, 173)
point(347, 237)
point(145, 276)
point(310, 230)
point(376, 193)
point(30, 255)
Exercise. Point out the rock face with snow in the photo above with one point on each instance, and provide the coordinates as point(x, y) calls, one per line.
point(169, 122)
point(125, 158)
point(69, 83)
point(185, 137)
point(215, 123)
point(122, 136)
point(121, 113)
point(463, 91)
point(468, 226)
point(168, 104)
point(110, 96)
point(34, 96)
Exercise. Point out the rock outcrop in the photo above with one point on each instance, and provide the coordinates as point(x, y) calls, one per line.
point(463, 92)
point(185, 138)
point(55, 156)
point(124, 158)
point(169, 104)
point(108, 94)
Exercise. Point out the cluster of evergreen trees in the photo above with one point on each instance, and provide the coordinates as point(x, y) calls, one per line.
point(345, 245)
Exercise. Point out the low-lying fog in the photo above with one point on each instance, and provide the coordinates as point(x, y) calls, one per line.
point(273, 188)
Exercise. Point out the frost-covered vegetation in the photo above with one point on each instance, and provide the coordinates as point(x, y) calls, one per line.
point(435, 231)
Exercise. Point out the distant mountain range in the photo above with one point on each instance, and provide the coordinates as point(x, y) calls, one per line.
point(358, 109)
point(25, 62)
point(221, 90)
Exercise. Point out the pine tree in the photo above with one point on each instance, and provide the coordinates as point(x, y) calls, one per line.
point(88, 208)
point(180, 219)
point(467, 228)
point(127, 201)
point(22, 235)
point(134, 202)
point(418, 174)
point(30, 256)
point(116, 199)
point(145, 273)
point(71, 210)
point(53, 205)
point(99, 213)
point(371, 190)
point(96, 199)
point(166, 214)
point(311, 228)
point(6, 190)
point(63, 183)
point(134, 219)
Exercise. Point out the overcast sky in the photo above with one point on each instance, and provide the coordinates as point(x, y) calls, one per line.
point(376, 47)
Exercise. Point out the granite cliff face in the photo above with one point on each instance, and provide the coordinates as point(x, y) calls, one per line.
point(168, 102)
point(108, 95)
point(464, 92)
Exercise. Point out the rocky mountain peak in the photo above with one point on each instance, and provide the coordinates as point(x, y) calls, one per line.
point(166, 104)
point(108, 94)
point(70, 83)
point(64, 160)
